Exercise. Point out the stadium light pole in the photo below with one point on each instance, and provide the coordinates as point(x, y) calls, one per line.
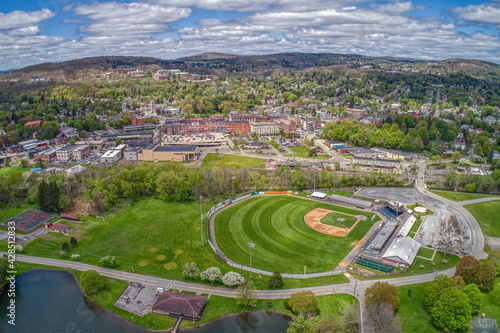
point(201, 220)
point(251, 245)
point(314, 189)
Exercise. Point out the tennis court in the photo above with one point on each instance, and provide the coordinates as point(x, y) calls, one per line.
point(29, 220)
point(484, 325)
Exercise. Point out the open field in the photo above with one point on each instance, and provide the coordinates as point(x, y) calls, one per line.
point(461, 196)
point(414, 318)
point(6, 171)
point(282, 239)
point(303, 152)
point(487, 214)
point(149, 238)
point(213, 161)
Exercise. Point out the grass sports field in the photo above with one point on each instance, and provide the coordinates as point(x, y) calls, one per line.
point(213, 161)
point(333, 219)
point(283, 241)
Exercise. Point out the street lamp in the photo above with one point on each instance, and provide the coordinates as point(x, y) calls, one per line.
point(362, 182)
point(251, 245)
point(201, 220)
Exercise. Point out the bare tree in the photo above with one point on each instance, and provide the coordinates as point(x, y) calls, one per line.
point(381, 317)
point(450, 234)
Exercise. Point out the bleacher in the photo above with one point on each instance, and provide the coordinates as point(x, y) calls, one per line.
point(390, 213)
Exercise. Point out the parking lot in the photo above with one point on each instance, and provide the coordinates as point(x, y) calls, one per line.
point(139, 298)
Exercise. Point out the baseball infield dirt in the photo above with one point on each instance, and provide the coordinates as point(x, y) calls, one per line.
point(313, 220)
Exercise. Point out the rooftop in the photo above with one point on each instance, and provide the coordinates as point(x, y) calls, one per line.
point(182, 305)
point(177, 148)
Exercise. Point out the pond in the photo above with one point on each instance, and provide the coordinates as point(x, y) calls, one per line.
point(52, 301)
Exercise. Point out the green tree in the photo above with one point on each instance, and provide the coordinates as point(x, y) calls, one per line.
point(382, 292)
point(246, 293)
point(73, 241)
point(6, 162)
point(275, 280)
point(108, 261)
point(43, 195)
point(455, 156)
point(299, 179)
point(72, 142)
point(39, 163)
point(191, 271)
point(299, 324)
point(91, 281)
point(485, 277)
point(65, 246)
point(470, 187)
point(118, 141)
point(475, 297)
point(24, 163)
point(478, 150)
point(328, 324)
point(3, 271)
point(452, 311)
point(434, 290)
point(303, 302)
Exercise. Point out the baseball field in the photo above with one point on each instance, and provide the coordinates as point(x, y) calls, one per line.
point(283, 240)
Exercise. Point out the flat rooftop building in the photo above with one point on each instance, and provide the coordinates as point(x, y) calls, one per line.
point(168, 153)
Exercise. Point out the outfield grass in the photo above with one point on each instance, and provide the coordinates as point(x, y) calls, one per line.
point(487, 214)
point(282, 239)
point(461, 196)
point(332, 219)
point(6, 171)
point(213, 161)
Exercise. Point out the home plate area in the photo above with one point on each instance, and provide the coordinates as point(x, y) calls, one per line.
point(484, 325)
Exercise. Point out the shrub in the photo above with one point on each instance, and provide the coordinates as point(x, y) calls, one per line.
point(231, 279)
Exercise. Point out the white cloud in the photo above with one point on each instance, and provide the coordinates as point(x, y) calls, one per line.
point(134, 19)
point(484, 13)
point(20, 19)
point(112, 28)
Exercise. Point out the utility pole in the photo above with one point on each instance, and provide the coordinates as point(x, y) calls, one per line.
point(314, 189)
point(201, 220)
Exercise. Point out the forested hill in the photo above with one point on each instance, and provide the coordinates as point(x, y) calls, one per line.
point(230, 64)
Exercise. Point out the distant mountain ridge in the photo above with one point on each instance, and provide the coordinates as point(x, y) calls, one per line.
point(225, 64)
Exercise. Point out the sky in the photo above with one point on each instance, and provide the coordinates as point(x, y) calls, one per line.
point(36, 31)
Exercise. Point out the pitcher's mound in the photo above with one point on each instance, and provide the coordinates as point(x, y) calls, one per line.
point(313, 220)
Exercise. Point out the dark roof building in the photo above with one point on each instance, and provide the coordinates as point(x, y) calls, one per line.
point(173, 303)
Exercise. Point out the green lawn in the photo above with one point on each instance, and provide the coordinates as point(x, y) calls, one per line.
point(425, 252)
point(460, 196)
point(5, 171)
point(149, 237)
point(282, 240)
point(213, 161)
point(332, 219)
point(345, 193)
point(487, 214)
point(303, 152)
point(414, 318)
